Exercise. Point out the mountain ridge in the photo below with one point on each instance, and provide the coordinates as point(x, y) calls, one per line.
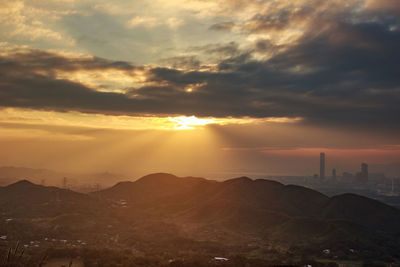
point(238, 212)
point(200, 198)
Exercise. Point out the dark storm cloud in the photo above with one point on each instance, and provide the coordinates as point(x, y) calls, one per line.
point(345, 73)
point(266, 46)
point(43, 92)
point(35, 60)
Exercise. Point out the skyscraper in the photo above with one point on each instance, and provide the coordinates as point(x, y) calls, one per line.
point(364, 171)
point(322, 166)
point(362, 177)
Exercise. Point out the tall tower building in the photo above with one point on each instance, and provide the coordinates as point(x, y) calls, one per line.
point(362, 177)
point(322, 166)
point(334, 174)
point(364, 171)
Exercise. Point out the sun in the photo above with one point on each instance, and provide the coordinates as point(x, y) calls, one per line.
point(189, 123)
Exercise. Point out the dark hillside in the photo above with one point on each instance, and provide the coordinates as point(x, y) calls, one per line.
point(363, 211)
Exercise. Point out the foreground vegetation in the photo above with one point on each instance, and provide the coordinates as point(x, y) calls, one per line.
point(125, 258)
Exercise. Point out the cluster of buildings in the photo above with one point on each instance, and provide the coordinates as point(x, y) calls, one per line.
point(360, 177)
point(362, 182)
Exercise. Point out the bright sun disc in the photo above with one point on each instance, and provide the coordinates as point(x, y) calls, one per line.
point(187, 123)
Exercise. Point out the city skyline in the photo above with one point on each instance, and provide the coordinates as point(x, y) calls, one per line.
point(360, 174)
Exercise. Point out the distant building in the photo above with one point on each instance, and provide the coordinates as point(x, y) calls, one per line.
point(364, 171)
point(334, 174)
point(322, 166)
point(362, 177)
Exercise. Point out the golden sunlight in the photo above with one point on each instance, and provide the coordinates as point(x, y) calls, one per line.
point(187, 123)
point(124, 122)
point(77, 119)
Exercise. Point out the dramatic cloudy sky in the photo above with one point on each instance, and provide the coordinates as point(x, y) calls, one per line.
point(199, 87)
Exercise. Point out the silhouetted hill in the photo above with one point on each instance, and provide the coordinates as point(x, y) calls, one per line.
point(256, 203)
point(363, 211)
point(263, 193)
point(162, 212)
point(26, 191)
point(153, 187)
point(25, 198)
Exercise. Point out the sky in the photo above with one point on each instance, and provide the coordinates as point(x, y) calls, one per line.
point(215, 88)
